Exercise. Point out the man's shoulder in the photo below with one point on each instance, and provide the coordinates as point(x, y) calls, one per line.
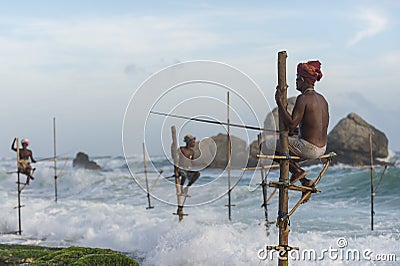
point(301, 99)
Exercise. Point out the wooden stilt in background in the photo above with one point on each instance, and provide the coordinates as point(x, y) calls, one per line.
point(147, 181)
point(372, 182)
point(19, 191)
point(175, 157)
point(55, 160)
point(264, 188)
point(228, 166)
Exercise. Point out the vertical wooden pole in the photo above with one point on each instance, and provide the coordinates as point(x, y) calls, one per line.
point(229, 158)
point(19, 190)
point(175, 157)
point(55, 159)
point(264, 187)
point(372, 182)
point(283, 219)
point(145, 174)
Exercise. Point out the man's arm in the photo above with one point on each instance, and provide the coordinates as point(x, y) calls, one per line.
point(13, 145)
point(291, 121)
point(31, 155)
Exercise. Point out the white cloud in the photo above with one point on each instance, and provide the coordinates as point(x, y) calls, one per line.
point(94, 41)
point(375, 23)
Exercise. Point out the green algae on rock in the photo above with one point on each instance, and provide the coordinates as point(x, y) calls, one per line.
point(11, 254)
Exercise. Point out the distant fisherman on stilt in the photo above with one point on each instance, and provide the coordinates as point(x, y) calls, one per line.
point(311, 114)
point(24, 164)
point(186, 155)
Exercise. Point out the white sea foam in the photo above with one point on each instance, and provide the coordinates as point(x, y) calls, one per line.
point(108, 209)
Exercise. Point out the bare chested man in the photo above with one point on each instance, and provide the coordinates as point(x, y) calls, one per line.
point(311, 114)
point(24, 164)
point(186, 155)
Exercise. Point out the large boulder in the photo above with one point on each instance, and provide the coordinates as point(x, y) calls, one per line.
point(350, 140)
point(215, 150)
point(254, 150)
point(82, 161)
point(271, 122)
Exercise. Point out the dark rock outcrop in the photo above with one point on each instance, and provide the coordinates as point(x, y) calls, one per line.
point(350, 140)
point(254, 149)
point(82, 161)
point(216, 149)
point(271, 122)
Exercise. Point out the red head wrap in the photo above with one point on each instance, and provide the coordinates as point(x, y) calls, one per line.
point(310, 71)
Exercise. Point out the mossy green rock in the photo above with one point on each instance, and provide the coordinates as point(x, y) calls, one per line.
point(35, 255)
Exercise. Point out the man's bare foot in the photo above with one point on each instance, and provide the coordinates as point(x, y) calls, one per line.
point(185, 192)
point(297, 176)
point(307, 183)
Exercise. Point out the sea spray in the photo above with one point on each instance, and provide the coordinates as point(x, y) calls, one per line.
point(108, 209)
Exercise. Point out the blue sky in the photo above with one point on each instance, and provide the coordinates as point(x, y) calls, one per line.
point(81, 61)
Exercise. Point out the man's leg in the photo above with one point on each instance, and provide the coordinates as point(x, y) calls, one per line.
point(183, 178)
point(297, 172)
point(194, 176)
point(27, 172)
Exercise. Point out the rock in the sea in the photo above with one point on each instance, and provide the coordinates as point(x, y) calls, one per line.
point(82, 161)
point(350, 140)
point(253, 151)
point(216, 148)
point(271, 122)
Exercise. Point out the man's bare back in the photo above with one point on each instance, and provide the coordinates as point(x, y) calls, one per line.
point(314, 124)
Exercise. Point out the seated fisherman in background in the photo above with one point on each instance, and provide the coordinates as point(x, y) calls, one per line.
point(186, 155)
point(311, 114)
point(24, 165)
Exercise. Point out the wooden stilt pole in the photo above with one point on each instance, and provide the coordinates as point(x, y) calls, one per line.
point(55, 160)
point(229, 158)
point(175, 157)
point(145, 175)
point(283, 219)
point(264, 189)
point(372, 182)
point(19, 190)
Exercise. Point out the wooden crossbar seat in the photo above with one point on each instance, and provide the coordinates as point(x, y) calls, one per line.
point(290, 157)
point(273, 166)
point(294, 187)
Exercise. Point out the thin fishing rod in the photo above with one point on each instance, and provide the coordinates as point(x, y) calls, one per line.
point(214, 122)
point(52, 158)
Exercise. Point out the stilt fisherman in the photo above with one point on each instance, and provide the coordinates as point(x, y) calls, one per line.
point(311, 114)
point(25, 159)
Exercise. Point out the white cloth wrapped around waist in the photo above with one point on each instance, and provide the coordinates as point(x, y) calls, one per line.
point(297, 146)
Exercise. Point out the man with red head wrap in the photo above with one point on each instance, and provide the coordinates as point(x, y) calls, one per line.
point(310, 71)
point(311, 114)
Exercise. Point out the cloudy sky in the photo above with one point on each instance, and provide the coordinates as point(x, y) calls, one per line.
point(81, 61)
